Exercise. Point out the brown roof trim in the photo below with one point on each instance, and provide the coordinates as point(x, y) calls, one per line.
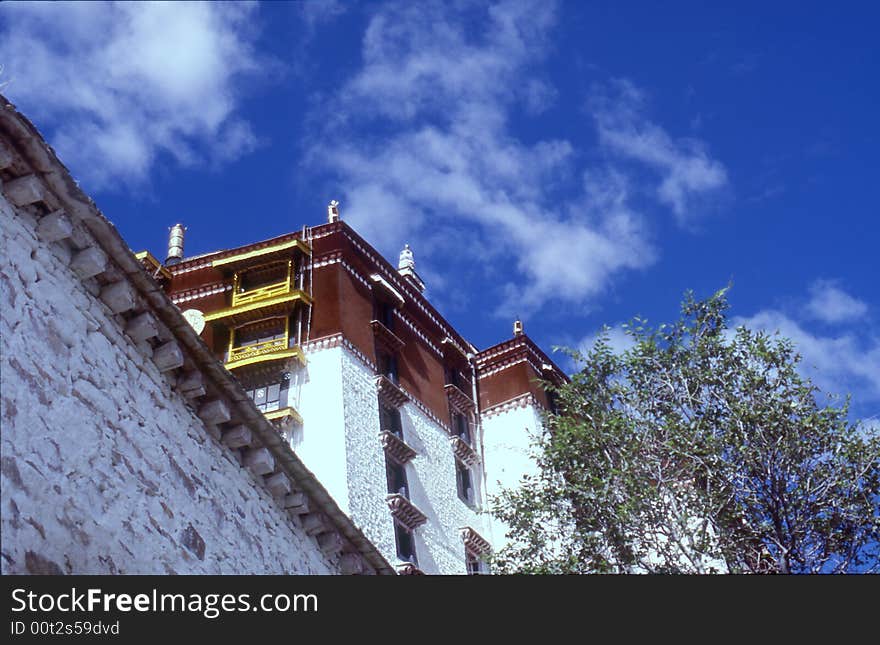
point(490, 356)
point(401, 283)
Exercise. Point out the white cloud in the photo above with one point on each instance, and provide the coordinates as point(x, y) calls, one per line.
point(686, 169)
point(618, 340)
point(844, 362)
point(420, 143)
point(120, 84)
point(847, 361)
point(830, 304)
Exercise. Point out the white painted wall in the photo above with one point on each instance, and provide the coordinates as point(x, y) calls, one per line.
point(320, 442)
point(104, 468)
point(507, 438)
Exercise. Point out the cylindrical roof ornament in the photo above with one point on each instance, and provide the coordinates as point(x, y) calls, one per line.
point(175, 244)
point(517, 327)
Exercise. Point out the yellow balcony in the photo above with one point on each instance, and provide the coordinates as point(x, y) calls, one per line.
point(274, 300)
point(250, 303)
point(270, 350)
point(261, 293)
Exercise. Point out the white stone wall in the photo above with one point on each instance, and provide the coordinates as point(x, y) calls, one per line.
point(340, 443)
point(507, 438)
point(431, 478)
point(104, 469)
point(364, 457)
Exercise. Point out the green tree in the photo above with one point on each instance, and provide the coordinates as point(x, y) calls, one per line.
point(701, 449)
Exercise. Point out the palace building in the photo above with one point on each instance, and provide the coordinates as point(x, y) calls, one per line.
point(408, 426)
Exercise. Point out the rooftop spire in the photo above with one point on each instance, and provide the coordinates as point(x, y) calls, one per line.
point(406, 266)
point(406, 260)
point(517, 327)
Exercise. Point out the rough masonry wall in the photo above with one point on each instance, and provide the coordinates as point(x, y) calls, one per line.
point(364, 456)
point(104, 469)
point(344, 451)
point(433, 489)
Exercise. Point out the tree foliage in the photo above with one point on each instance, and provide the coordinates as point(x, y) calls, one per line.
point(701, 449)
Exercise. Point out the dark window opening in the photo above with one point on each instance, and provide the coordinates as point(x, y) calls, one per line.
point(396, 475)
point(551, 401)
point(384, 313)
point(464, 483)
point(263, 331)
point(475, 565)
point(406, 544)
point(460, 427)
point(261, 276)
point(389, 420)
point(388, 366)
point(453, 377)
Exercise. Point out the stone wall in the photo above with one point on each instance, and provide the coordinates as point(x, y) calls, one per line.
point(364, 457)
point(104, 468)
point(434, 491)
point(125, 446)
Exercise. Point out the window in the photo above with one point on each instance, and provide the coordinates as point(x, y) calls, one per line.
point(551, 401)
point(396, 475)
point(261, 396)
point(260, 276)
point(389, 420)
point(254, 334)
point(388, 366)
point(269, 398)
point(464, 482)
point(273, 395)
point(385, 314)
point(475, 565)
point(268, 334)
point(406, 544)
point(460, 427)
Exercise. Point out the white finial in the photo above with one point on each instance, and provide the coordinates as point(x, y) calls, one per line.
point(333, 211)
point(406, 266)
point(517, 327)
point(406, 260)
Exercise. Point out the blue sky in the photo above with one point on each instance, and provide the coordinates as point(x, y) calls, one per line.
point(574, 163)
